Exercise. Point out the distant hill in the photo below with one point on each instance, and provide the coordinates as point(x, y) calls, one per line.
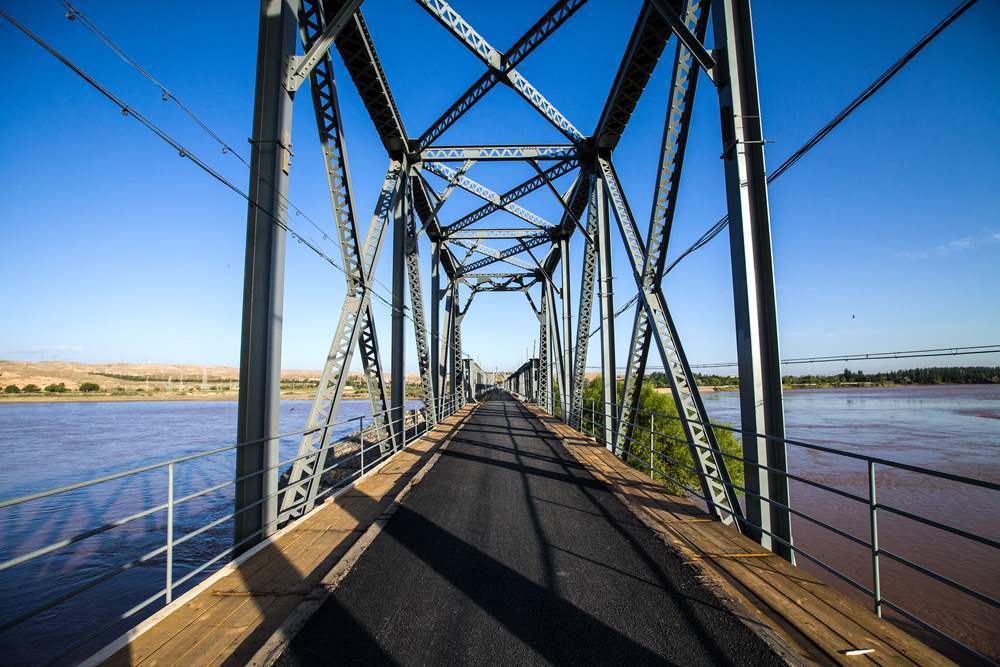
point(132, 376)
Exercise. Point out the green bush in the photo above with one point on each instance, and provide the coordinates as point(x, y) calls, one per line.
point(56, 388)
point(11, 389)
point(88, 387)
point(30, 389)
point(672, 463)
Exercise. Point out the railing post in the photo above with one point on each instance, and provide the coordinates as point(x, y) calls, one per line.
point(651, 444)
point(170, 533)
point(873, 514)
point(361, 439)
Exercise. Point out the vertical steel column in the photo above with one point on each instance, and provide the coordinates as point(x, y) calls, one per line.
point(544, 383)
point(444, 357)
point(567, 332)
point(264, 279)
point(556, 344)
point(398, 361)
point(606, 293)
point(753, 276)
point(436, 319)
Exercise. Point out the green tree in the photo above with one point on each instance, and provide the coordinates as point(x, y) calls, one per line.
point(30, 389)
point(88, 387)
point(11, 389)
point(56, 388)
point(672, 462)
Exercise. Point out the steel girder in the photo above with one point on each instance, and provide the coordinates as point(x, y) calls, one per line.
point(544, 356)
point(566, 354)
point(587, 274)
point(356, 324)
point(498, 153)
point(483, 192)
point(417, 311)
point(705, 452)
point(680, 102)
point(545, 26)
point(521, 190)
point(754, 300)
point(300, 67)
point(258, 409)
point(548, 297)
point(647, 42)
point(685, 36)
point(355, 46)
point(503, 255)
point(513, 233)
point(355, 317)
point(499, 282)
point(497, 255)
point(609, 377)
point(447, 341)
point(578, 197)
point(453, 177)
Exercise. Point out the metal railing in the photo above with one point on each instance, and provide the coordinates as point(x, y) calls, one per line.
point(412, 424)
point(592, 420)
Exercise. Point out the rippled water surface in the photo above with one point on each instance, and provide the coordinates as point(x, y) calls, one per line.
point(954, 429)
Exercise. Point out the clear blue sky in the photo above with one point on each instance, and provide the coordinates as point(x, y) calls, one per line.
point(886, 236)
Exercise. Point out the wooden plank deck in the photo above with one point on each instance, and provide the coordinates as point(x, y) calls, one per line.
point(231, 616)
point(783, 602)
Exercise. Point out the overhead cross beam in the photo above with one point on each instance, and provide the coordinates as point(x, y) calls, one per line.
point(498, 153)
point(529, 41)
point(479, 247)
point(505, 255)
point(513, 194)
point(483, 192)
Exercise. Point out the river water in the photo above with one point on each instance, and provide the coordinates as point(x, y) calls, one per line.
point(950, 428)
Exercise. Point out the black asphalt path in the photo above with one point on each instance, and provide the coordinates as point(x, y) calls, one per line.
point(508, 552)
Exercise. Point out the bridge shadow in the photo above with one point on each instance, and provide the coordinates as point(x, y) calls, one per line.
point(534, 610)
point(232, 618)
point(241, 611)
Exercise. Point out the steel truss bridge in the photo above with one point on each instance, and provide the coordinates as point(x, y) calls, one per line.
point(544, 399)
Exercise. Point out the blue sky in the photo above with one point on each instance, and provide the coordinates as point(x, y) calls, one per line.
point(886, 236)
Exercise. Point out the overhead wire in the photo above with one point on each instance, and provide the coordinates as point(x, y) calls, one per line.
point(860, 99)
point(852, 106)
point(185, 153)
point(870, 356)
point(74, 13)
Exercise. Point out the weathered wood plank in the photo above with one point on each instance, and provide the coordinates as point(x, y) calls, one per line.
point(236, 614)
point(813, 609)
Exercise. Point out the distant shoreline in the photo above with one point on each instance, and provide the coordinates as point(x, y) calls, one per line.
point(76, 397)
point(157, 397)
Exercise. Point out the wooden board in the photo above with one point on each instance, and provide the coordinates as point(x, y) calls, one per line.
point(232, 617)
point(815, 621)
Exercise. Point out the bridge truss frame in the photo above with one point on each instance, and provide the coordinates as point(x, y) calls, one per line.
point(593, 206)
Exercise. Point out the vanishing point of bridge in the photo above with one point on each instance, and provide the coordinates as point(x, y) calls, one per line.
point(509, 518)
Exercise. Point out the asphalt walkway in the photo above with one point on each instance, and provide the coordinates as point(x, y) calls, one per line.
point(508, 552)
